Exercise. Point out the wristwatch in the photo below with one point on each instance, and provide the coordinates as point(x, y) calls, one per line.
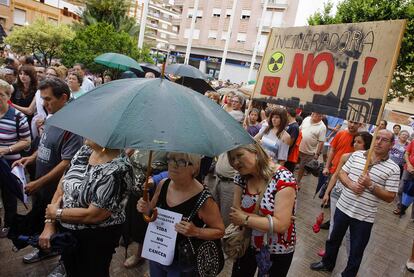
point(59, 214)
point(246, 220)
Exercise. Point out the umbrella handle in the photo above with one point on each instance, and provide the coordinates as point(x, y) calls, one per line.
point(154, 214)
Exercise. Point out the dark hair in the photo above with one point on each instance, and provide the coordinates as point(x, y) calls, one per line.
point(77, 75)
point(254, 110)
point(291, 112)
point(12, 68)
point(366, 137)
point(29, 70)
point(299, 120)
point(397, 125)
point(29, 60)
point(281, 112)
point(385, 122)
point(81, 65)
point(58, 86)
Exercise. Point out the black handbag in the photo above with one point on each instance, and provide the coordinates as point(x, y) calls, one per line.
point(207, 255)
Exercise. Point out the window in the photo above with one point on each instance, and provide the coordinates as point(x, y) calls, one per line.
point(262, 43)
point(199, 13)
point(190, 13)
point(164, 26)
point(163, 35)
point(212, 34)
point(228, 13)
point(267, 21)
point(245, 14)
point(216, 12)
point(241, 37)
point(223, 35)
point(277, 19)
point(5, 2)
point(53, 20)
point(174, 28)
point(196, 33)
point(19, 17)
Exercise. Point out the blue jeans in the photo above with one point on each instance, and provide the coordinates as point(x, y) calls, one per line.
point(360, 234)
point(173, 270)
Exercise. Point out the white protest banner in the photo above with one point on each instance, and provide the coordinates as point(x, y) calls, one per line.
point(18, 171)
point(160, 238)
point(343, 70)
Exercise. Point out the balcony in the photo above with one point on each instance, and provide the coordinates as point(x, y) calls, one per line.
point(179, 2)
point(277, 4)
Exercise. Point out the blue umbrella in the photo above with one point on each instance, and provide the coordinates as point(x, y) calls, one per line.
point(10, 181)
point(58, 242)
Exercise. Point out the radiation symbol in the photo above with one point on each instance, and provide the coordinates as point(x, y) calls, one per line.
point(276, 62)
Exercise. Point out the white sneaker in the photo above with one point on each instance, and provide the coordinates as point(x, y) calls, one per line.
point(410, 266)
point(59, 271)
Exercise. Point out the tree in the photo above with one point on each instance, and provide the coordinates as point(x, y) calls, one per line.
point(41, 37)
point(114, 12)
point(351, 11)
point(96, 39)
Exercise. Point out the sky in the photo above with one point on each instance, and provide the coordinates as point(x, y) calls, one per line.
point(308, 7)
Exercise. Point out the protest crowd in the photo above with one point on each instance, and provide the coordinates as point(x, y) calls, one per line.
point(90, 199)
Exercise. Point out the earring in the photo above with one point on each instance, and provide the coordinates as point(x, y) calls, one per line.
point(103, 150)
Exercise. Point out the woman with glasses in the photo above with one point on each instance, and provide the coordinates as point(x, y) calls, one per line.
point(179, 194)
point(271, 186)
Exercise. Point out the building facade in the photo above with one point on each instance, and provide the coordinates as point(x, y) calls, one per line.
point(23, 12)
point(211, 27)
point(162, 25)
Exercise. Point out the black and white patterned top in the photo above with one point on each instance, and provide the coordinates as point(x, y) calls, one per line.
point(278, 243)
point(105, 186)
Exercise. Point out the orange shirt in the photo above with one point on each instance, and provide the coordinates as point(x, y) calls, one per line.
point(342, 143)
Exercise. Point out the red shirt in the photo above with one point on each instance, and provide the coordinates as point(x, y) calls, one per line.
point(410, 151)
point(342, 143)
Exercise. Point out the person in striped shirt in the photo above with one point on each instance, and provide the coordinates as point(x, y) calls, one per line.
point(14, 137)
point(358, 203)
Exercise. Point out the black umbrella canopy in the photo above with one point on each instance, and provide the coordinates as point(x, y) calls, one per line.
point(198, 85)
point(185, 70)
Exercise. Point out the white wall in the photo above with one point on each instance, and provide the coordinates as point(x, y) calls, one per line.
point(237, 74)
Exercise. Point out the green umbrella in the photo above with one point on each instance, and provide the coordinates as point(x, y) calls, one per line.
point(151, 114)
point(118, 61)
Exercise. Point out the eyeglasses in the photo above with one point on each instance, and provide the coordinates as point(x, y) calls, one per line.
point(178, 163)
point(382, 139)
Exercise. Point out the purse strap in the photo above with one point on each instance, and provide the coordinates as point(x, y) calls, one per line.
point(200, 201)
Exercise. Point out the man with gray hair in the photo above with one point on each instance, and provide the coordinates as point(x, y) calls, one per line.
point(358, 203)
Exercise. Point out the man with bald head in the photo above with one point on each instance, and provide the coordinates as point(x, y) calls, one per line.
point(358, 203)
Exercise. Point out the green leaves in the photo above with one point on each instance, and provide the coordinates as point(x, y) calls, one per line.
point(94, 40)
point(41, 36)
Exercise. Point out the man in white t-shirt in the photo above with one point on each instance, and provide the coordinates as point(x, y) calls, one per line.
point(87, 84)
point(358, 203)
point(313, 137)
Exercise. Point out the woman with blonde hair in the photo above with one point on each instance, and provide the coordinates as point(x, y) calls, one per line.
point(180, 193)
point(274, 187)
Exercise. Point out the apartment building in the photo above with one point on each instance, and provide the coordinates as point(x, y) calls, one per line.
point(162, 23)
point(212, 22)
point(24, 12)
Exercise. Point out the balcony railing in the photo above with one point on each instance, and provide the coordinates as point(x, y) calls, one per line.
point(277, 4)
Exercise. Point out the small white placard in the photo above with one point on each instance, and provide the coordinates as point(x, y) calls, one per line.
point(18, 170)
point(159, 243)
